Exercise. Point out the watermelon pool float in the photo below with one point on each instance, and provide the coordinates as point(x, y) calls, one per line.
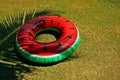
point(66, 33)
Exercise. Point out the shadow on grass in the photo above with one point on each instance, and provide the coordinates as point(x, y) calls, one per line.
point(11, 67)
point(12, 72)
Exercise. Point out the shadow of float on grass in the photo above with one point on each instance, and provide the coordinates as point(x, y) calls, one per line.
point(11, 67)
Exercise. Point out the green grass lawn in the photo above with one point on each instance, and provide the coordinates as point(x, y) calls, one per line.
point(98, 55)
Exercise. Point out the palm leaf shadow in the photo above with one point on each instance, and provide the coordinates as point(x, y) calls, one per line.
point(9, 25)
point(13, 72)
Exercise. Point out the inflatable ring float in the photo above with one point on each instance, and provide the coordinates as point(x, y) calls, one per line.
point(66, 33)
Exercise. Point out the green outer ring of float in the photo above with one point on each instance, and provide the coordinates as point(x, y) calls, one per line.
point(49, 59)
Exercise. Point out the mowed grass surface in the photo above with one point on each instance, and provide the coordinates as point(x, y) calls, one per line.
point(98, 55)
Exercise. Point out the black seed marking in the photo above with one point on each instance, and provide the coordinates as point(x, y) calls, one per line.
point(43, 21)
point(51, 21)
point(45, 48)
point(67, 21)
point(30, 34)
point(62, 28)
point(38, 24)
point(31, 45)
point(33, 29)
point(58, 24)
point(23, 38)
point(59, 44)
point(71, 28)
point(70, 37)
point(23, 29)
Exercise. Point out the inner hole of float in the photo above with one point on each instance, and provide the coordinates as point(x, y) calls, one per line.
point(47, 35)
